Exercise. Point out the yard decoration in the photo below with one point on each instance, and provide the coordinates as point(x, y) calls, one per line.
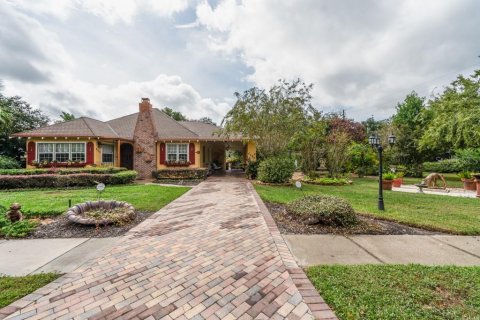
point(97, 213)
point(387, 181)
point(431, 180)
point(477, 181)
point(398, 181)
point(468, 181)
point(14, 214)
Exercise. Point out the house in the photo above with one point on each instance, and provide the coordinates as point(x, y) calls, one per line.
point(145, 141)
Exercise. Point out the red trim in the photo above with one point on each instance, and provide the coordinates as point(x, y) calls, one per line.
point(162, 153)
point(90, 153)
point(191, 155)
point(30, 152)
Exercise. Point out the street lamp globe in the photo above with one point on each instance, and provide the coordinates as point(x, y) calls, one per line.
point(372, 140)
point(392, 139)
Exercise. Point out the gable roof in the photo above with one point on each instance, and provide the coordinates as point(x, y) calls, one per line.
point(124, 128)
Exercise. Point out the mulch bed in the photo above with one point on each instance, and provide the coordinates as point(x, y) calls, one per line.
point(61, 227)
point(289, 224)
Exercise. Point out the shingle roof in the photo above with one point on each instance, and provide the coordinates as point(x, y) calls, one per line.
point(124, 128)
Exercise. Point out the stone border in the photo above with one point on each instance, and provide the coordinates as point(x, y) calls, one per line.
point(315, 302)
point(75, 213)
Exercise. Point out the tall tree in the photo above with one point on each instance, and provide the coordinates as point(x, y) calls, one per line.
point(65, 116)
point(339, 122)
point(176, 115)
point(207, 120)
point(272, 117)
point(455, 116)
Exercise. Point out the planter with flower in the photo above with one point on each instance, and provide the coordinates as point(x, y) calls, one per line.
point(173, 163)
point(468, 181)
point(477, 181)
point(387, 181)
point(398, 180)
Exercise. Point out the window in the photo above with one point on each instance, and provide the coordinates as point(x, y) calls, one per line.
point(177, 152)
point(61, 152)
point(107, 153)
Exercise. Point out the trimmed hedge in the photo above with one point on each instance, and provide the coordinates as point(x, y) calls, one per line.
point(8, 163)
point(276, 170)
point(181, 174)
point(62, 171)
point(443, 166)
point(62, 181)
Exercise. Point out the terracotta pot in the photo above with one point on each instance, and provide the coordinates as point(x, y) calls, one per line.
point(469, 184)
point(397, 182)
point(477, 181)
point(387, 184)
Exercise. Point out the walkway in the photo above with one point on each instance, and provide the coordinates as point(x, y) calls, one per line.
point(214, 253)
point(360, 249)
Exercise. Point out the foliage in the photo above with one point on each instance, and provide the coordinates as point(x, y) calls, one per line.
point(337, 153)
point(362, 159)
point(443, 166)
point(65, 116)
point(469, 159)
point(119, 215)
point(328, 210)
point(22, 118)
point(389, 176)
point(176, 115)
point(276, 170)
point(8, 163)
point(455, 116)
point(251, 170)
point(17, 229)
point(371, 292)
point(355, 130)
point(55, 201)
point(181, 174)
point(62, 181)
point(399, 175)
point(310, 144)
point(63, 171)
point(465, 175)
point(327, 181)
point(450, 214)
point(233, 156)
point(14, 288)
point(207, 120)
point(270, 117)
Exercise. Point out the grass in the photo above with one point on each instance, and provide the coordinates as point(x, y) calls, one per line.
point(450, 214)
point(54, 202)
point(399, 291)
point(14, 288)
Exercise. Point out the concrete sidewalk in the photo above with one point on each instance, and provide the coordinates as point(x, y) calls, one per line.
point(430, 250)
point(22, 257)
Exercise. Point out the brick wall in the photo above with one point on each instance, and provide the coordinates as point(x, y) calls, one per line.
point(145, 156)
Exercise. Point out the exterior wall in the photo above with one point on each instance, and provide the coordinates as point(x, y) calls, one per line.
point(198, 157)
point(251, 150)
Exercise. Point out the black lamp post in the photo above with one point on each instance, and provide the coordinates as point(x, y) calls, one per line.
point(374, 141)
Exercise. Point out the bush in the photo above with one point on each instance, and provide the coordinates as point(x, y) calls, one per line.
point(327, 181)
point(63, 171)
point(328, 210)
point(14, 230)
point(276, 170)
point(61, 181)
point(8, 163)
point(181, 174)
point(251, 169)
point(443, 166)
point(469, 159)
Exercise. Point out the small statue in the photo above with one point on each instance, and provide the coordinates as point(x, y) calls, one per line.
point(14, 214)
point(431, 180)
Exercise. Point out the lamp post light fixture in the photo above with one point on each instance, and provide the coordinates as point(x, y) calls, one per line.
point(374, 141)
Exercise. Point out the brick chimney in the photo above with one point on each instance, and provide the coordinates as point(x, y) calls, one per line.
point(145, 158)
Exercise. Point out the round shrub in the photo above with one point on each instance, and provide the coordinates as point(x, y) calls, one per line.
point(328, 210)
point(8, 163)
point(276, 170)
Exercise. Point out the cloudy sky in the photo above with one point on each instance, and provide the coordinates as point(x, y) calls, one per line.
point(98, 57)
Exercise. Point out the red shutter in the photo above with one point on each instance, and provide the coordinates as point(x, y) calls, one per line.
point(191, 153)
point(162, 153)
point(90, 155)
point(30, 152)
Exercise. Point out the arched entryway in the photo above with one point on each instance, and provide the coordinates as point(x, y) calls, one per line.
point(126, 155)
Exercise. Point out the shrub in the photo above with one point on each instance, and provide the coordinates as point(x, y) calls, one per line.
point(61, 181)
point(276, 170)
point(389, 176)
point(251, 170)
point(328, 210)
point(63, 171)
point(8, 163)
point(443, 166)
point(18, 229)
point(469, 159)
point(181, 174)
point(327, 181)
point(465, 175)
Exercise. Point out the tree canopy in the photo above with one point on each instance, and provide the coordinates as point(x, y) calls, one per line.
point(176, 115)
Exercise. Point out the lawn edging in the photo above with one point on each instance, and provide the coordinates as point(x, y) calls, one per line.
point(320, 309)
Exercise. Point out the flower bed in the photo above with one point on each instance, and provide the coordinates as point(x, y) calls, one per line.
point(61, 181)
point(62, 171)
point(181, 174)
point(101, 213)
point(327, 181)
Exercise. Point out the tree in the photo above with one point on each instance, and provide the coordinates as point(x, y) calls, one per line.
point(355, 130)
point(310, 144)
point(338, 143)
point(272, 117)
point(65, 116)
point(207, 120)
point(22, 118)
point(455, 116)
point(362, 159)
point(176, 115)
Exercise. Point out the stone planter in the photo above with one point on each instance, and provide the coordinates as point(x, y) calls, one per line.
point(477, 181)
point(469, 184)
point(397, 182)
point(76, 213)
point(387, 184)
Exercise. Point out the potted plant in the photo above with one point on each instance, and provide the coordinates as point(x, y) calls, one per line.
point(468, 181)
point(398, 180)
point(477, 181)
point(387, 180)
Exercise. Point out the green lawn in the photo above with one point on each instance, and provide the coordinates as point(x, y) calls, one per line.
point(399, 291)
point(54, 202)
point(14, 288)
point(452, 214)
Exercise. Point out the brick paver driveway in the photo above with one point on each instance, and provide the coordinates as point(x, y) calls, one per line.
point(214, 253)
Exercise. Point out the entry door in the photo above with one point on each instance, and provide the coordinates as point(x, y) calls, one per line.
point(126, 156)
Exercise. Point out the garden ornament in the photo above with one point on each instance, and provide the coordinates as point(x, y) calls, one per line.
point(431, 180)
point(14, 214)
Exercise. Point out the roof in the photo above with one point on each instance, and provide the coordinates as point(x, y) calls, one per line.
point(124, 128)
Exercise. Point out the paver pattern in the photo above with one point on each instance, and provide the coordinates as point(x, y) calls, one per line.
point(214, 253)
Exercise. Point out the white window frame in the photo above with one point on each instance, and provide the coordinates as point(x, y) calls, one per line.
point(54, 143)
point(177, 153)
point(113, 152)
